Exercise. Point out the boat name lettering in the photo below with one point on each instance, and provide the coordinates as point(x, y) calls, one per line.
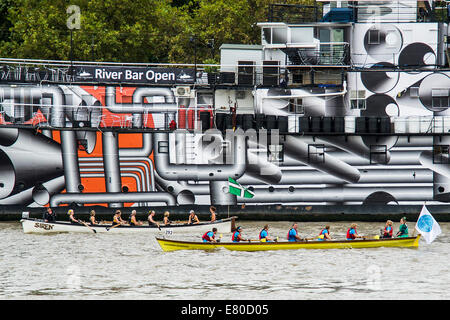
point(43, 226)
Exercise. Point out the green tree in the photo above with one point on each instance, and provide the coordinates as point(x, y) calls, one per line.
point(126, 31)
point(5, 24)
point(129, 30)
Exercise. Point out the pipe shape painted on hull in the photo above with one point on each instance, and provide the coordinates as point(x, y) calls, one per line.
point(30, 159)
point(70, 160)
point(38, 194)
point(182, 192)
point(336, 194)
point(112, 197)
point(145, 151)
point(297, 149)
point(398, 157)
point(111, 164)
point(261, 169)
point(55, 93)
point(42, 193)
point(313, 177)
point(138, 107)
point(356, 146)
point(219, 194)
point(126, 161)
point(441, 175)
point(172, 172)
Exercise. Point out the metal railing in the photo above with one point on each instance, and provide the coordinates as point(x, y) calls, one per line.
point(364, 11)
point(294, 13)
point(327, 53)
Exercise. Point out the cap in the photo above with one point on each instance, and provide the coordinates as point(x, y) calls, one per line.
point(192, 211)
point(404, 218)
point(238, 228)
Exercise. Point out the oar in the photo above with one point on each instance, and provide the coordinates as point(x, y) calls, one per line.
point(109, 228)
point(82, 222)
point(157, 224)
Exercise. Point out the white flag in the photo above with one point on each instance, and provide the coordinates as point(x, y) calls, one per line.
point(427, 226)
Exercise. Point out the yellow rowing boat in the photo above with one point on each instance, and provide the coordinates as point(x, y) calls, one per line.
point(172, 245)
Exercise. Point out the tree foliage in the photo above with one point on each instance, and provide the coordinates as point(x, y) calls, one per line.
point(129, 30)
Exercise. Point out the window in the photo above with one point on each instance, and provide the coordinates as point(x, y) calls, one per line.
point(374, 36)
point(316, 153)
point(276, 153)
point(358, 99)
point(279, 35)
point(275, 35)
point(296, 106)
point(378, 154)
point(439, 98)
point(441, 154)
point(267, 34)
point(163, 147)
point(302, 34)
point(297, 78)
point(414, 92)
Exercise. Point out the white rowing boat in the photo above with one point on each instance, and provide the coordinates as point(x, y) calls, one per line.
point(40, 226)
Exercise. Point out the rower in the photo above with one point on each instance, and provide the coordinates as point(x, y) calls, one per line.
point(166, 218)
point(92, 220)
point(264, 234)
point(237, 237)
point(388, 229)
point(151, 221)
point(403, 229)
point(193, 217)
point(49, 216)
point(352, 234)
point(212, 209)
point(72, 217)
point(117, 219)
point(324, 234)
point(132, 221)
point(292, 235)
point(210, 236)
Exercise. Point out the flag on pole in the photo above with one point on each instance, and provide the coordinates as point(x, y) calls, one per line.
point(427, 226)
point(235, 188)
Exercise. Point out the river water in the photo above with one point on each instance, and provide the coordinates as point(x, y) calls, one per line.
point(113, 266)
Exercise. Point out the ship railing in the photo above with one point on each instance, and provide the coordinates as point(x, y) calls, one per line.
point(391, 61)
point(325, 53)
point(29, 115)
point(274, 74)
point(195, 118)
point(394, 11)
point(294, 13)
point(370, 125)
point(62, 71)
point(400, 11)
